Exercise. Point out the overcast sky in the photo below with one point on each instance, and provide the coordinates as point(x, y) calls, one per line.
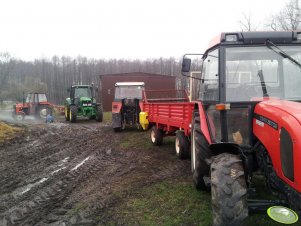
point(128, 29)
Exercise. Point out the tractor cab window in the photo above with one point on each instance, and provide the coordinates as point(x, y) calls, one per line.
point(256, 72)
point(29, 98)
point(292, 72)
point(209, 83)
point(129, 92)
point(82, 92)
point(42, 97)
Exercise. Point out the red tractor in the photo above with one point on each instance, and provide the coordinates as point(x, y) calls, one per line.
point(35, 104)
point(127, 105)
point(247, 121)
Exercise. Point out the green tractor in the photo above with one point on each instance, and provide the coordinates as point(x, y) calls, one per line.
point(82, 104)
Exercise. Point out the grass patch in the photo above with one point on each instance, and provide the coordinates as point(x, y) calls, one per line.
point(166, 203)
point(7, 131)
point(132, 138)
point(107, 117)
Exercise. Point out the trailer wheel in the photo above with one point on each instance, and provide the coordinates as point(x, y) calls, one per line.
point(228, 191)
point(156, 136)
point(181, 145)
point(73, 113)
point(99, 114)
point(199, 153)
point(67, 114)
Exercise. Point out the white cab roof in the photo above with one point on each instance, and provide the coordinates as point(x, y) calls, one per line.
point(129, 84)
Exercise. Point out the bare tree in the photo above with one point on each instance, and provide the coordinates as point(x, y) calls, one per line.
point(246, 23)
point(288, 18)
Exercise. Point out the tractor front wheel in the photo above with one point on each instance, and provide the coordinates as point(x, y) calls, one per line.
point(73, 113)
point(67, 114)
point(199, 153)
point(228, 191)
point(182, 145)
point(99, 114)
point(156, 136)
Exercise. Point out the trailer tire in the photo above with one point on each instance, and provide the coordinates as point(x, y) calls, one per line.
point(228, 191)
point(99, 113)
point(156, 136)
point(199, 153)
point(182, 145)
point(73, 113)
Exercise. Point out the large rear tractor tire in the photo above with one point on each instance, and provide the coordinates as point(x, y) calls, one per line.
point(73, 113)
point(43, 111)
point(182, 145)
point(156, 136)
point(228, 191)
point(199, 153)
point(67, 113)
point(99, 113)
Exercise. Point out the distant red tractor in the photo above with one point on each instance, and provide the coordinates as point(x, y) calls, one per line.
point(35, 104)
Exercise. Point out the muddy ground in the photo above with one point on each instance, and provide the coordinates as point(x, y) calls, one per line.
point(76, 174)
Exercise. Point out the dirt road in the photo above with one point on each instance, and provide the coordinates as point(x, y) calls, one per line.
point(73, 174)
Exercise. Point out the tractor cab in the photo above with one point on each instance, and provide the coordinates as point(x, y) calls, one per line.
point(240, 70)
point(247, 119)
point(126, 104)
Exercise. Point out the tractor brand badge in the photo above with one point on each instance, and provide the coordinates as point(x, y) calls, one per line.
point(266, 120)
point(260, 123)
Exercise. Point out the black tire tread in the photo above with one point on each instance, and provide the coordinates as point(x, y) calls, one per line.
point(202, 153)
point(228, 191)
point(184, 145)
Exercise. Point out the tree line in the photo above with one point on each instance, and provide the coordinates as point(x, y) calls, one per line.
point(54, 76)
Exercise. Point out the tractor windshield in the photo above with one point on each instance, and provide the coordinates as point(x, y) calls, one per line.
point(82, 92)
point(129, 92)
point(257, 72)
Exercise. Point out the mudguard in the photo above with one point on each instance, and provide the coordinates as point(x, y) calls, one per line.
point(204, 124)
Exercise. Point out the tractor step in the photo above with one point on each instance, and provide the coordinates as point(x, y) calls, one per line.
point(261, 205)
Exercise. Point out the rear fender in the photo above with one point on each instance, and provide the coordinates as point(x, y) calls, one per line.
point(203, 120)
point(219, 148)
point(116, 107)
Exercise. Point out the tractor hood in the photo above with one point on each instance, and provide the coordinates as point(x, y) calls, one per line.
point(276, 108)
point(277, 125)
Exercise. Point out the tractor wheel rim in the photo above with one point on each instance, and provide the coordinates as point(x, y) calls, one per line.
point(43, 113)
point(177, 143)
point(153, 138)
point(19, 117)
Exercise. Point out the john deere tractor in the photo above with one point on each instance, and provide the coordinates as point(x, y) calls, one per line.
point(82, 104)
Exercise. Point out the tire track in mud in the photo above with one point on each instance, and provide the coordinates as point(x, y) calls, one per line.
point(49, 194)
point(73, 174)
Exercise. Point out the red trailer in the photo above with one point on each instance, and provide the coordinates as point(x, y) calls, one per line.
point(168, 113)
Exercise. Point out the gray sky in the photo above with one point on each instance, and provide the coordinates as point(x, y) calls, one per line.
point(129, 29)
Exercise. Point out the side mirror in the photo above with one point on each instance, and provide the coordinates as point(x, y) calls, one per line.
point(186, 63)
